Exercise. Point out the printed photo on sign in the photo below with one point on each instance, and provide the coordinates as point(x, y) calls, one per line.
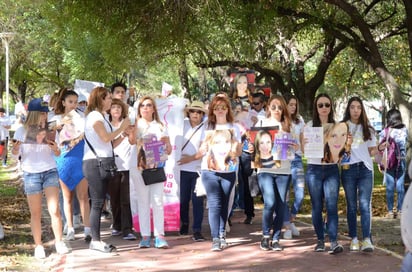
point(40, 135)
point(221, 154)
point(271, 147)
point(70, 130)
point(153, 153)
point(336, 146)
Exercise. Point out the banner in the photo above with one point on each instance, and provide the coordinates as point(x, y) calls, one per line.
point(84, 87)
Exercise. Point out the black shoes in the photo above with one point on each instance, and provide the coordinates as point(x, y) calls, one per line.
point(248, 220)
point(198, 237)
point(265, 243)
point(184, 229)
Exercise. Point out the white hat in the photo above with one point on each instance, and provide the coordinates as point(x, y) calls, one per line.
point(406, 220)
point(196, 105)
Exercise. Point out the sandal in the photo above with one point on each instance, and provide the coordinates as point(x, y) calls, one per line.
point(102, 247)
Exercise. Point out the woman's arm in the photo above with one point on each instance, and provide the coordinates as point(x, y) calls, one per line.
point(105, 136)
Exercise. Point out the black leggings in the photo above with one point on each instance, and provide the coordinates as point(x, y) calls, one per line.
point(98, 187)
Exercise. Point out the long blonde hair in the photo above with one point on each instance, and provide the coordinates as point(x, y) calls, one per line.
point(33, 119)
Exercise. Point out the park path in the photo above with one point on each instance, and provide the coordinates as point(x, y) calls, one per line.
point(243, 254)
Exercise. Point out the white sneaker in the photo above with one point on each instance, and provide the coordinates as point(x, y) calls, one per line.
point(367, 245)
point(39, 252)
point(70, 235)
point(77, 222)
point(354, 245)
point(287, 235)
point(1, 232)
point(62, 248)
point(294, 229)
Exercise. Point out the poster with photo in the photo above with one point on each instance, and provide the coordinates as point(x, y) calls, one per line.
point(329, 143)
point(70, 130)
point(40, 135)
point(221, 155)
point(283, 146)
point(154, 152)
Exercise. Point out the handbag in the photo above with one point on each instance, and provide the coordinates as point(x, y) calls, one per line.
point(200, 189)
point(153, 175)
point(107, 165)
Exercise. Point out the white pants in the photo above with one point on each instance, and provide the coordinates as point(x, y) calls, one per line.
point(146, 197)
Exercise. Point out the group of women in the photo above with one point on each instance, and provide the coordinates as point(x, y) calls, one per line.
point(217, 152)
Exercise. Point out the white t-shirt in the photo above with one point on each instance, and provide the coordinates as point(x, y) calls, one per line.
point(359, 148)
point(193, 145)
point(35, 158)
point(100, 147)
point(123, 153)
point(4, 132)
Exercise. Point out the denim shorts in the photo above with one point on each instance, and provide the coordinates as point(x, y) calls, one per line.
point(35, 183)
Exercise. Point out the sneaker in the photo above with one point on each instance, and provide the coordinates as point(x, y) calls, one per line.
point(354, 245)
point(160, 242)
point(367, 245)
point(294, 229)
point(77, 222)
point(335, 248)
point(70, 235)
point(287, 235)
point(39, 252)
point(184, 229)
point(62, 248)
point(129, 237)
point(145, 242)
point(248, 220)
point(265, 243)
point(87, 234)
point(223, 243)
point(116, 232)
point(320, 246)
point(102, 247)
point(105, 215)
point(198, 237)
point(216, 244)
point(1, 232)
point(390, 215)
point(276, 246)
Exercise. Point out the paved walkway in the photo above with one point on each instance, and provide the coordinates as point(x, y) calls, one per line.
point(243, 254)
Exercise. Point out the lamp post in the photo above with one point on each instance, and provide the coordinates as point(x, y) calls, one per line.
point(6, 37)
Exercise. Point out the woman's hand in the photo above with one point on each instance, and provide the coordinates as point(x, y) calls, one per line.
point(53, 146)
point(186, 159)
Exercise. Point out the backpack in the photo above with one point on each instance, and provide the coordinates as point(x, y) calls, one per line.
point(390, 157)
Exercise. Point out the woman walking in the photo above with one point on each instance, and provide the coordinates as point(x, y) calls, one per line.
point(357, 174)
point(40, 176)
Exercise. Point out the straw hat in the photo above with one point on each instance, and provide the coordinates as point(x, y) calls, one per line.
point(196, 105)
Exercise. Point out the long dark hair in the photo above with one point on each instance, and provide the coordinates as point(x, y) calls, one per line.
point(394, 119)
point(296, 115)
point(315, 117)
point(363, 118)
point(63, 94)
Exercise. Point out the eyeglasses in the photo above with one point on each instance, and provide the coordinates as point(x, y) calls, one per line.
point(274, 107)
point(256, 103)
point(321, 105)
point(149, 105)
point(220, 107)
point(196, 111)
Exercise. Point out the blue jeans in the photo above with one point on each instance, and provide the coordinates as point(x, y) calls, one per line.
point(323, 185)
point(187, 187)
point(395, 178)
point(218, 188)
point(298, 183)
point(358, 181)
point(274, 188)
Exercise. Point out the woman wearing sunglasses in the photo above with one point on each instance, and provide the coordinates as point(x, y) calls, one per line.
point(274, 180)
point(323, 181)
point(218, 181)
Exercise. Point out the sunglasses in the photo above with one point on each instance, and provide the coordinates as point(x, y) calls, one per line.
point(196, 111)
point(274, 107)
point(321, 105)
point(256, 103)
point(149, 105)
point(220, 107)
